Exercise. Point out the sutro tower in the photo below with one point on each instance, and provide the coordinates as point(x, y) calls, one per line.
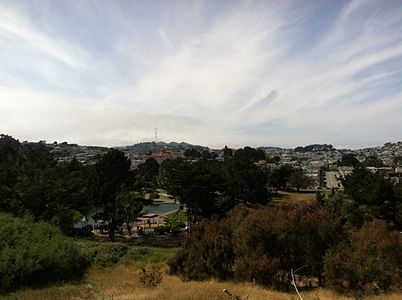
point(156, 134)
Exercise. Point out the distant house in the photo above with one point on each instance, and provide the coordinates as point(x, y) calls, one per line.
point(89, 219)
point(165, 154)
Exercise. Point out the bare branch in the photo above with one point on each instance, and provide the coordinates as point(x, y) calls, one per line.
point(294, 282)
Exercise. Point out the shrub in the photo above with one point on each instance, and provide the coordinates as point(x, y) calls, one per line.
point(264, 244)
point(177, 221)
point(103, 254)
point(370, 262)
point(208, 251)
point(271, 241)
point(34, 254)
point(151, 278)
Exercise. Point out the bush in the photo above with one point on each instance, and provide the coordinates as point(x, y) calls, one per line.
point(370, 262)
point(264, 244)
point(271, 241)
point(34, 254)
point(103, 254)
point(208, 251)
point(151, 278)
point(177, 221)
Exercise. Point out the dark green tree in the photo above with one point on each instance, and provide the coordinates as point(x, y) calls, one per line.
point(148, 172)
point(172, 175)
point(32, 182)
point(110, 174)
point(299, 179)
point(349, 160)
point(191, 153)
point(373, 161)
point(244, 182)
point(227, 152)
point(201, 189)
point(375, 194)
point(280, 177)
point(130, 205)
point(248, 154)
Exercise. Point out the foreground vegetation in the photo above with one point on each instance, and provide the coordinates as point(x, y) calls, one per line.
point(35, 253)
point(347, 241)
point(329, 243)
point(122, 282)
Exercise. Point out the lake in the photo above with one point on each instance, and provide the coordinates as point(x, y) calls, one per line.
point(159, 208)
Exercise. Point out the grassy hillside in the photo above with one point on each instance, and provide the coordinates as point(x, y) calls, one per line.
point(121, 282)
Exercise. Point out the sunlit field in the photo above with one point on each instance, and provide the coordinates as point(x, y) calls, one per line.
point(122, 282)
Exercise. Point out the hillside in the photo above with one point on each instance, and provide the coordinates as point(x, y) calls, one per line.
point(121, 282)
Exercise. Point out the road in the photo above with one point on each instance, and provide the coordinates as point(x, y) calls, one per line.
point(331, 180)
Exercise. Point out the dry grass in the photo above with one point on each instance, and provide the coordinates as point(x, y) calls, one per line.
point(121, 282)
point(283, 196)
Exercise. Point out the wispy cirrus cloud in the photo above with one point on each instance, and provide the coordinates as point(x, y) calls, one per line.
point(236, 73)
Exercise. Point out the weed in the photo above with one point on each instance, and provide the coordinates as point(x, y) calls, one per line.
point(151, 278)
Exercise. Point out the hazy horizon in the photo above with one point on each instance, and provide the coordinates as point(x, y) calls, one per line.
point(339, 147)
point(213, 73)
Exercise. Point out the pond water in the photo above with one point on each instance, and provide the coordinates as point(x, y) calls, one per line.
point(154, 208)
point(159, 208)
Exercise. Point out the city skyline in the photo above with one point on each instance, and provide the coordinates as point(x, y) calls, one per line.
point(215, 73)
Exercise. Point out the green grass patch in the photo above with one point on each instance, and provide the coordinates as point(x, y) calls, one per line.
point(104, 254)
point(143, 256)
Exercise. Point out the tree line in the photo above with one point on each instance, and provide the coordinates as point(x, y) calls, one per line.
point(33, 183)
point(346, 240)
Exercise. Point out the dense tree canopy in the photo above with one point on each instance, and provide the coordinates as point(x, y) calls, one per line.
point(299, 179)
point(211, 187)
point(191, 153)
point(349, 160)
point(280, 177)
point(248, 154)
point(109, 175)
point(32, 182)
point(377, 196)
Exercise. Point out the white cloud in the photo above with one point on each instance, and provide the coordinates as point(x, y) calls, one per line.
point(205, 80)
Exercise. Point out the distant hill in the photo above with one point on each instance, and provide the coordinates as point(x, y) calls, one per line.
point(315, 147)
point(158, 146)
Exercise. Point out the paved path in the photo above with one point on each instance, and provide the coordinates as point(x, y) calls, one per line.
point(331, 180)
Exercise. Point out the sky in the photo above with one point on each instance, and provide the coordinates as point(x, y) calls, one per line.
point(258, 73)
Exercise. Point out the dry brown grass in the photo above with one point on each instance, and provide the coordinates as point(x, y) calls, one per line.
point(283, 196)
point(122, 282)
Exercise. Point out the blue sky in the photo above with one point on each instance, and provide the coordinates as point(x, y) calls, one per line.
point(236, 73)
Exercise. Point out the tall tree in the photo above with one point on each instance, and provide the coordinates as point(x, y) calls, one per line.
point(280, 177)
point(249, 154)
point(147, 173)
point(227, 152)
point(110, 174)
point(244, 182)
point(191, 153)
point(374, 192)
point(349, 160)
point(299, 179)
point(32, 182)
